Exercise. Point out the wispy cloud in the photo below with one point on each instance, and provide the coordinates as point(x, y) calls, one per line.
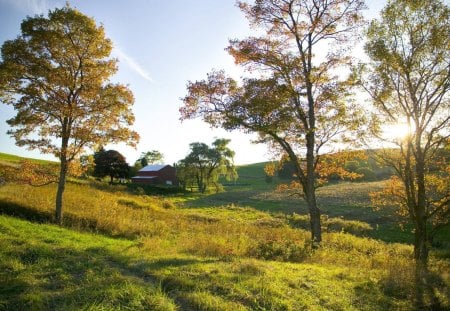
point(132, 64)
point(43, 6)
point(32, 6)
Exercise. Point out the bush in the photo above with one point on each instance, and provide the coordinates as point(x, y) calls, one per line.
point(287, 171)
point(153, 189)
point(168, 204)
point(350, 226)
point(352, 166)
point(333, 224)
point(367, 174)
point(281, 250)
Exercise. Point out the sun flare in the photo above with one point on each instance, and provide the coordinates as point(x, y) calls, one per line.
point(396, 131)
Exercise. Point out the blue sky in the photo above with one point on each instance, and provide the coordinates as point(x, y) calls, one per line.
point(160, 45)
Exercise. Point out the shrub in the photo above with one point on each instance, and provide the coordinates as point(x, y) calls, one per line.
point(139, 191)
point(351, 166)
point(367, 174)
point(298, 221)
point(168, 204)
point(333, 224)
point(280, 250)
point(351, 226)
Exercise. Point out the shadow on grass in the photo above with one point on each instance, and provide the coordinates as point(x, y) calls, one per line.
point(69, 221)
point(425, 288)
point(60, 278)
point(24, 212)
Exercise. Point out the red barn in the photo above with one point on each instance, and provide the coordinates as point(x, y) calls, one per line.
point(157, 174)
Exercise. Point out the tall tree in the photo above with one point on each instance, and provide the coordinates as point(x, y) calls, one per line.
point(110, 163)
point(56, 75)
point(409, 82)
point(151, 157)
point(205, 164)
point(294, 97)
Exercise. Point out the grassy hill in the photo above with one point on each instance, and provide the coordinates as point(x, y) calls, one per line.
point(242, 249)
point(6, 158)
point(44, 267)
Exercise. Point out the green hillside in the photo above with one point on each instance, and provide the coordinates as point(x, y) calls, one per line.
point(44, 267)
point(242, 249)
point(6, 158)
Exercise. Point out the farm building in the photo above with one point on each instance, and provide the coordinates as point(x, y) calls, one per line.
point(157, 174)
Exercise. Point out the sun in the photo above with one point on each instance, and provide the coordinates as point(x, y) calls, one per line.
point(397, 131)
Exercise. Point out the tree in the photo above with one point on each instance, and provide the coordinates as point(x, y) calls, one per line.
point(204, 165)
point(135, 168)
point(293, 98)
point(151, 157)
point(409, 82)
point(56, 75)
point(110, 163)
point(87, 165)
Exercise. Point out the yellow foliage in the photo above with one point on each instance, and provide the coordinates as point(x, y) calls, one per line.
point(270, 169)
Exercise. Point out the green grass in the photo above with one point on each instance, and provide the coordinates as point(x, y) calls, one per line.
point(44, 267)
point(6, 158)
point(244, 249)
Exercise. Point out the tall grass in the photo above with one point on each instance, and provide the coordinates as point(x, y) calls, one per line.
point(241, 239)
point(227, 231)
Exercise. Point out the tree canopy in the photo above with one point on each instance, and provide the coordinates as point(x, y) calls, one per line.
point(56, 76)
point(151, 157)
point(204, 165)
point(292, 97)
point(110, 163)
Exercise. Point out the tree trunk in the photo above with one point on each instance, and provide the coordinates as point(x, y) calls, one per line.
point(314, 212)
point(310, 189)
point(421, 242)
point(420, 232)
point(316, 229)
point(60, 191)
point(64, 165)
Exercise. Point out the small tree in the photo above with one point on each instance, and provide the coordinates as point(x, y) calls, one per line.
point(56, 76)
point(137, 166)
point(110, 163)
point(409, 81)
point(205, 164)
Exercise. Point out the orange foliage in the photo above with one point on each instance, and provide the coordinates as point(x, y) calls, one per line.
point(437, 193)
point(328, 165)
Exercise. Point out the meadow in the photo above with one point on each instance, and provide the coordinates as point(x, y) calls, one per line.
point(246, 248)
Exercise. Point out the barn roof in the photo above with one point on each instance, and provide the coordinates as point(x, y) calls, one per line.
point(153, 168)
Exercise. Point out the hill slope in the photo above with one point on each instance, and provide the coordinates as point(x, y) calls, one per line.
point(242, 249)
point(46, 267)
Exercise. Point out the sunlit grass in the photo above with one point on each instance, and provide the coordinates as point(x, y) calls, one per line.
point(180, 252)
point(47, 267)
